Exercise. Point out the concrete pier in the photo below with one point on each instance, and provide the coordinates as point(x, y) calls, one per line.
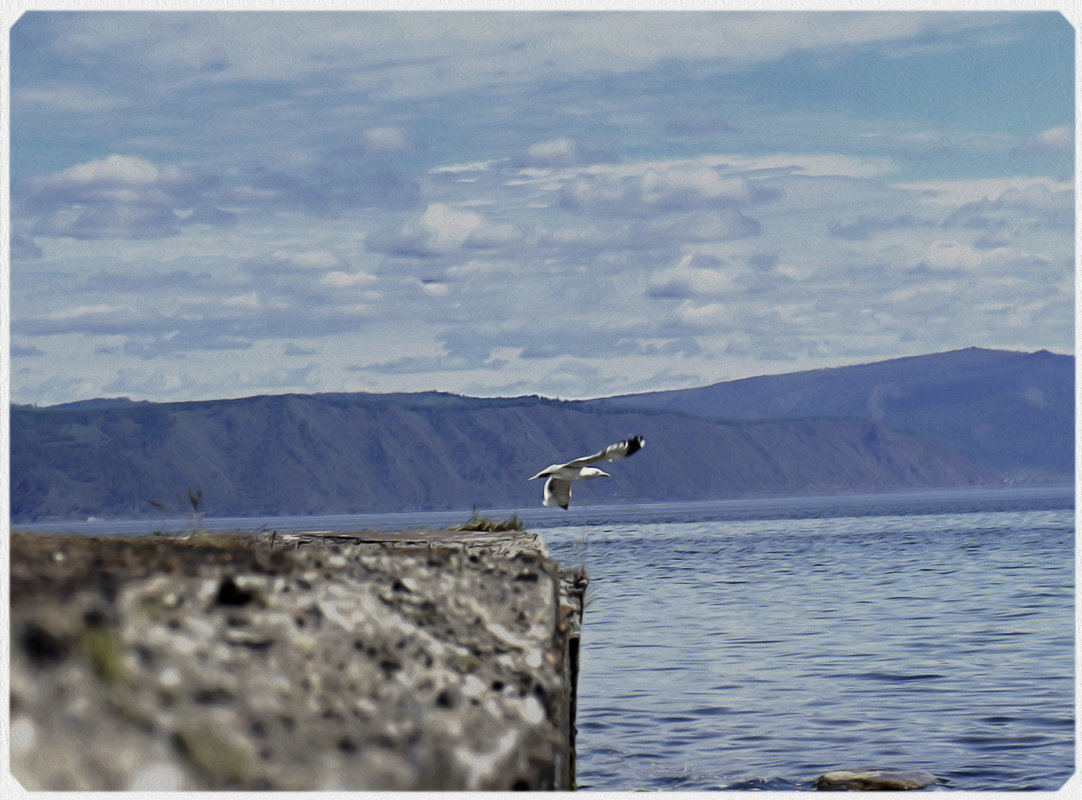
point(414, 660)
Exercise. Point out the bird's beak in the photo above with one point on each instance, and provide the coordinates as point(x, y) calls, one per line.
point(604, 475)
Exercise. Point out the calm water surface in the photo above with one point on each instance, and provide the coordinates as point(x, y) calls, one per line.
point(750, 652)
point(755, 644)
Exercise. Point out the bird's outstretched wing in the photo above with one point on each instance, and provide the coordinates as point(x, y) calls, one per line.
point(557, 492)
point(560, 476)
point(614, 452)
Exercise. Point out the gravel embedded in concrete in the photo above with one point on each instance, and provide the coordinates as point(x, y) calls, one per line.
point(406, 661)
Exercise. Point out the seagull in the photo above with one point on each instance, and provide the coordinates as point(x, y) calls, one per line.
point(560, 476)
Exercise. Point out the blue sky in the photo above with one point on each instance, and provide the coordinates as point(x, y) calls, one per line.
point(575, 204)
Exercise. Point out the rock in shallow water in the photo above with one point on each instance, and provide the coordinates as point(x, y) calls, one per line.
point(874, 780)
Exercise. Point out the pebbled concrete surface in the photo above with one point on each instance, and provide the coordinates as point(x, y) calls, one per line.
point(414, 660)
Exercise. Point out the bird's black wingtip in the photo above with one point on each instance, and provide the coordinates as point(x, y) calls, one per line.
point(635, 444)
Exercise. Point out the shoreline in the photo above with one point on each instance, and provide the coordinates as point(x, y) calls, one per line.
point(395, 660)
point(378, 523)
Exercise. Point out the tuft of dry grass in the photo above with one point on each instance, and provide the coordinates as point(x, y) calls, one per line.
point(479, 523)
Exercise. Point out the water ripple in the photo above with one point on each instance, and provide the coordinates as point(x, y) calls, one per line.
point(757, 653)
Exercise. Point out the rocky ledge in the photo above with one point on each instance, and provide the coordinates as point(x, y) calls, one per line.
point(405, 661)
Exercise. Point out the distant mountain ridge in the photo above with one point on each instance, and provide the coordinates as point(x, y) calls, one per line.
point(1012, 412)
point(352, 453)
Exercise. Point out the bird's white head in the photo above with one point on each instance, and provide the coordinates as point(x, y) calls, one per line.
point(594, 472)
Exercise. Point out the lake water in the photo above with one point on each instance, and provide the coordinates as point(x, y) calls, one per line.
point(756, 644)
point(744, 649)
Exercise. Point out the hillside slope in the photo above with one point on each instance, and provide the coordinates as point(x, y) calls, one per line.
point(326, 454)
point(1012, 412)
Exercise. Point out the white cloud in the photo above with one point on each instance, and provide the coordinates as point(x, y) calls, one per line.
point(587, 239)
point(24, 247)
point(816, 165)
point(726, 165)
point(248, 300)
point(948, 255)
point(563, 151)
point(27, 351)
point(342, 280)
point(471, 167)
point(142, 383)
point(1015, 208)
point(59, 387)
point(865, 226)
point(308, 259)
point(680, 187)
point(281, 378)
point(494, 235)
point(434, 289)
point(700, 316)
point(692, 275)
point(325, 186)
point(114, 170)
point(62, 96)
point(444, 362)
point(616, 174)
point(957, 193)
point(1053, 140)
point(119, 196)
point(699, 183)
point(1039, 199)
point(704, 226)
point(459, 48)
point(553, 152)
point(442, 229)
point(388, 139)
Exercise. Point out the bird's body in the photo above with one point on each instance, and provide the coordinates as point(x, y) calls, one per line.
point(561, 476)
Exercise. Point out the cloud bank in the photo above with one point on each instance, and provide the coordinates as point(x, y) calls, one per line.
point(577, 204)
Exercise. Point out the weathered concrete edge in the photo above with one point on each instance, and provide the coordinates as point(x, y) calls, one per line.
point(566, 622)
point(567, 632)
